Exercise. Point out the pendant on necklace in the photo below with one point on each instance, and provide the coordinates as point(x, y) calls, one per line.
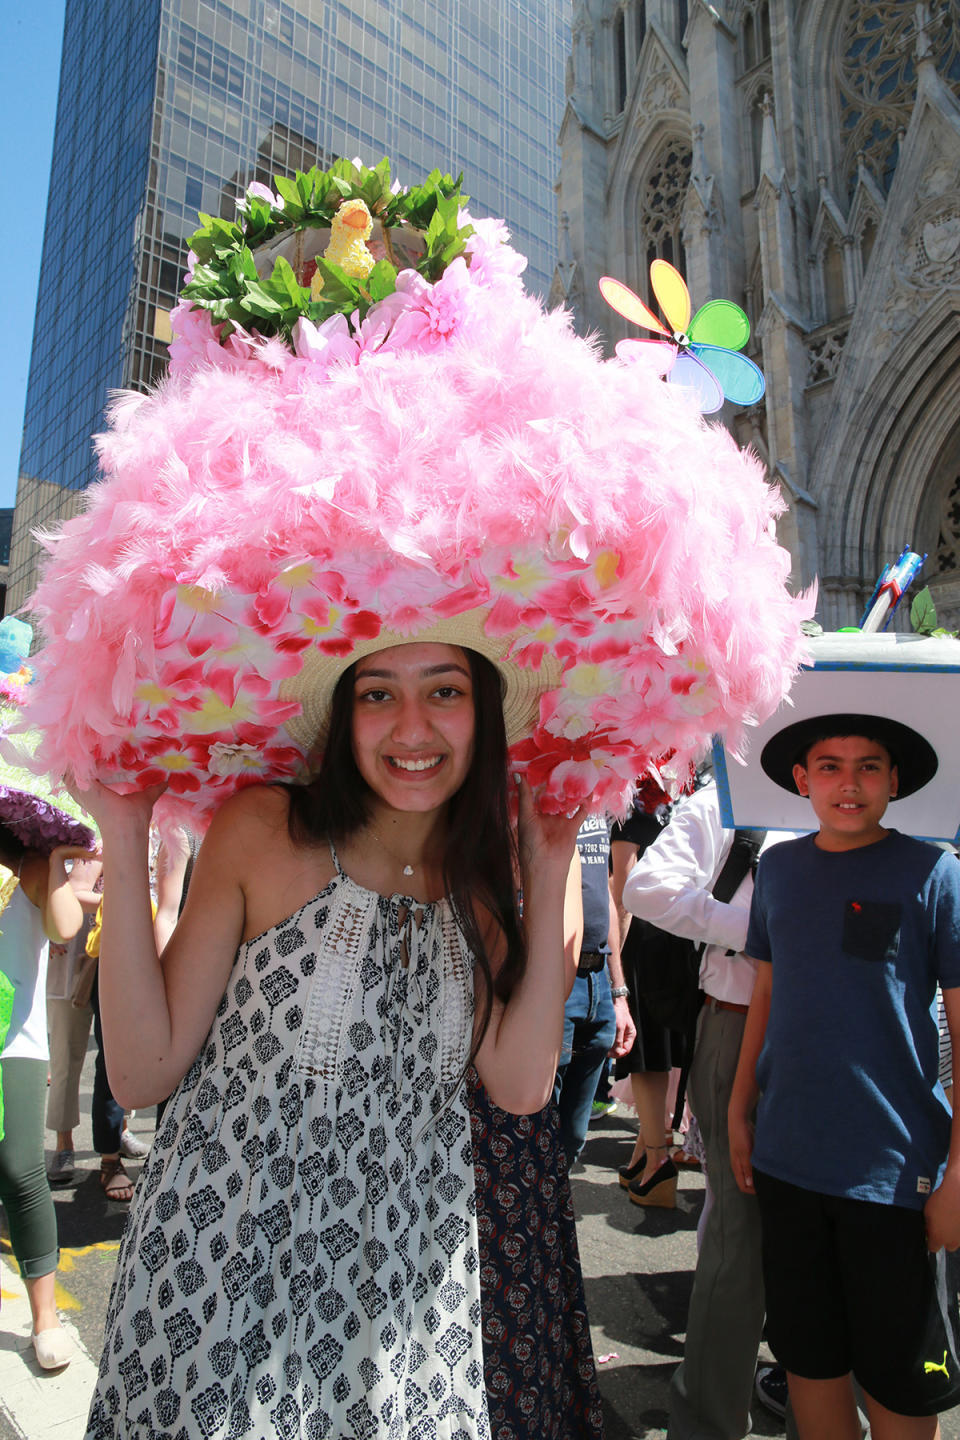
point(408, 869)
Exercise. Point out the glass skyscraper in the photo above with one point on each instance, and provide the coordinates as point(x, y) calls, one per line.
point(168, 107)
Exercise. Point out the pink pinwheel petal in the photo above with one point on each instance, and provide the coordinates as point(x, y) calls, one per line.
point(655, 355)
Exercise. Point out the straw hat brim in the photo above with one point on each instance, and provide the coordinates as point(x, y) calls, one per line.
point(522, 685)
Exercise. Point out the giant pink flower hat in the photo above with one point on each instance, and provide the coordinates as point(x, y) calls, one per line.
point(398, 447)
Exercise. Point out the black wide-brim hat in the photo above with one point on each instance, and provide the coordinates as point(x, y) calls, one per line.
point(914, 757)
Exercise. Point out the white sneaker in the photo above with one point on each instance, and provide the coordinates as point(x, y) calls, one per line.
point(132, 1147)
point(53, 1348)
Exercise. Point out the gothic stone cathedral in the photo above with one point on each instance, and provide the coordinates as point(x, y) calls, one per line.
point(801, 157)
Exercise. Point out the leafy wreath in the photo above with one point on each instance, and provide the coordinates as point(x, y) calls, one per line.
point(225, 280)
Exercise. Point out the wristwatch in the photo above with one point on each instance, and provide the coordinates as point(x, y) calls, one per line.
point(618, 991)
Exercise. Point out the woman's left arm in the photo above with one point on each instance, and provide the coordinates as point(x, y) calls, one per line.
point(517, 1059)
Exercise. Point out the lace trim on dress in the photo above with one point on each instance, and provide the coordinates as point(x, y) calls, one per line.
point(334, 983)
point(426, 947)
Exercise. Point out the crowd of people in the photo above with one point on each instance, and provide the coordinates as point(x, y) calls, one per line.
point(396, 590)
point(391, 1040)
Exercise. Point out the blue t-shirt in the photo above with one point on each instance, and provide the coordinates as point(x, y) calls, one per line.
point(858, 939)
point(593, 842)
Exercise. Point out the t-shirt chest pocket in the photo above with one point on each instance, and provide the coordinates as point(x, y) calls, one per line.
point(871, 930)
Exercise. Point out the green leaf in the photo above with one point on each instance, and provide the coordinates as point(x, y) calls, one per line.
point(338, 287)
point(289, 190)
point(923, 612)
point(284, 280)
point(344, 169)
point(371, 191)
point(248, 266)
point(382, 280)
point(259, 301)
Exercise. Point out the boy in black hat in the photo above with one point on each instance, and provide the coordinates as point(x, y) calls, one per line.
point(853, 1166)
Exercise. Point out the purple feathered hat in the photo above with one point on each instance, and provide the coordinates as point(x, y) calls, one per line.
point(39, 824)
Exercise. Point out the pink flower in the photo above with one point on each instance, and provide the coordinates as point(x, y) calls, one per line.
point(196, 342)
point(492, 258)
point(327, 343)
point(195, 338)
point(262, 192)
point(394, 323)
point(445, 304)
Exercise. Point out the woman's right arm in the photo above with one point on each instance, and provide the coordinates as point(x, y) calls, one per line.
point(155, 1014)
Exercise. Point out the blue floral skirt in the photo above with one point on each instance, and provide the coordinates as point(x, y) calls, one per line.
point(538, 1359)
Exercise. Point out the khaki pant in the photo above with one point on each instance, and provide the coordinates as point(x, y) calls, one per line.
point(711, 1392)
point(69, 1031)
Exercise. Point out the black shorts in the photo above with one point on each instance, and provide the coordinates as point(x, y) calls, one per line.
point(851, 1286)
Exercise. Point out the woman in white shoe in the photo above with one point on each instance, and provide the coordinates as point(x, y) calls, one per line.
point(42, 906)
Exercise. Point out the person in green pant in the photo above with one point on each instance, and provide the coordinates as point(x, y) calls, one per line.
point(41, 906)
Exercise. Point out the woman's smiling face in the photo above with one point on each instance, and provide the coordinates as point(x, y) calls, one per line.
point(413, 724)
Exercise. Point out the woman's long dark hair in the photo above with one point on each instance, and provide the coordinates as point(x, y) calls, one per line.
point(479, 861)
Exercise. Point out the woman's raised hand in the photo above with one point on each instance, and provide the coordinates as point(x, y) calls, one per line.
point(109, 810)
point(545, 840)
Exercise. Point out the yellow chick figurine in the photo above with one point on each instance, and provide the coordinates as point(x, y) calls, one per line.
point(350, 229)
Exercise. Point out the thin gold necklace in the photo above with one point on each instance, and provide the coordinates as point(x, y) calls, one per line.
point(405, 869)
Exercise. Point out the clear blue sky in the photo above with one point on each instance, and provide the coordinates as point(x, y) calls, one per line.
point(29, 74)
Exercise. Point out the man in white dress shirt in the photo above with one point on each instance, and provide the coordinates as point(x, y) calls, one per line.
point(671, 887)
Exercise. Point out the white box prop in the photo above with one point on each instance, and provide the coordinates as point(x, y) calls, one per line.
point(911, 678)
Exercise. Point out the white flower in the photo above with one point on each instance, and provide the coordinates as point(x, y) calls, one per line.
point(260, 192)
point(232, 759)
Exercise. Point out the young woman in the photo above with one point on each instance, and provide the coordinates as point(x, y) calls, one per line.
point(42, 907)
point(355, 1219)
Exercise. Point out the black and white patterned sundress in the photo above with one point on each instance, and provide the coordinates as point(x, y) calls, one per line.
point(301, 1258)
point(304, 1257)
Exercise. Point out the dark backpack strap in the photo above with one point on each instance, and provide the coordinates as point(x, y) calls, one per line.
point(742, 858)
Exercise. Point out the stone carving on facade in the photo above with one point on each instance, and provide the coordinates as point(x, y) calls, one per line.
point(661, 89)
point(703, 205)
point(897, 314)
point(948, 537)
point(582, 58)
point(824, 353)
point(566, 288)
point(929, 252)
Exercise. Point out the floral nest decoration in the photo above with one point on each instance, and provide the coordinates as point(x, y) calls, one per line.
point(241, 272)
point(415, 451)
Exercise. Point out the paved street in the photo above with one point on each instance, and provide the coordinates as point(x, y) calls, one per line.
point(638, 1266)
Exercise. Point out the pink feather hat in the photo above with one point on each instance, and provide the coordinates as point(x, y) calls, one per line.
point(417, 453)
